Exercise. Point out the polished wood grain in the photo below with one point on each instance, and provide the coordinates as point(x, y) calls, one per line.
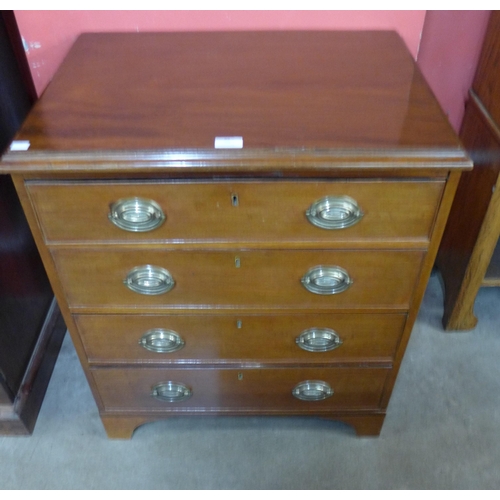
point(252, 213)
point(94, 279)
point(54, 280)
point(314, 90)
point(319, 113)
point(420, 288)
point(259, 390)
point(237, 339)
point(376, 163)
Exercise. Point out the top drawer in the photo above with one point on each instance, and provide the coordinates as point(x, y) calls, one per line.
point(239, 212)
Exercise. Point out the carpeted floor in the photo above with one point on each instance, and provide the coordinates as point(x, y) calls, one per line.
point(441, 431)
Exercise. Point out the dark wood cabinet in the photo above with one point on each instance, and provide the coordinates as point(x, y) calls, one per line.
point(31, 326)
point(238, 223)
point(469, 256)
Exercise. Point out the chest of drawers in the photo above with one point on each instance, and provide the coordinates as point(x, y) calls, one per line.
point(238, 223)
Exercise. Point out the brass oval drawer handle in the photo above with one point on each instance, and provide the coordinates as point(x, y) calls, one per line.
point(161, 340)
point(171, 392)
point(136, 214)
point(312, 390)
point(318, 340)
point(334, 212)
point(326, 280)
point(149, 280)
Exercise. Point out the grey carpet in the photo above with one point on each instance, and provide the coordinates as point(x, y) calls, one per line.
point(441, 431)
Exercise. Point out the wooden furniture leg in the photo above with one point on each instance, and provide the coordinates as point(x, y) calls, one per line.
point(473, 227)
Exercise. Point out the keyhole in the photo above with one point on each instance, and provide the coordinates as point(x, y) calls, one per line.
point(240, 376)
point(234, 200)
point(238, 323)
point(237, 262)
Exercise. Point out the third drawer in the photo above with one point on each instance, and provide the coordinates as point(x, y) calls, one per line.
point(217, 339)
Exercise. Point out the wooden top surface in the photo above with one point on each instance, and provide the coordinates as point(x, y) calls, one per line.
point(283, 92)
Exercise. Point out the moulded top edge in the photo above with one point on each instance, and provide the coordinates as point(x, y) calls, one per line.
point(222, 160)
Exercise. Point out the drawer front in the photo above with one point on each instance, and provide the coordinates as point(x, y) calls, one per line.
point(244, 389)
point(255, 279)
point(179, 339)
point(236, 211)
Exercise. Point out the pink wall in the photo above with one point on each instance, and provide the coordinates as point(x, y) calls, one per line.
point(448, 56)
point(49, 34)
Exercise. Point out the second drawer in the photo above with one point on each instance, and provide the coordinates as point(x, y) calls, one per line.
point(253, 279)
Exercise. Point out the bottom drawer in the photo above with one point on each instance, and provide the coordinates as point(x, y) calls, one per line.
point(269, 389)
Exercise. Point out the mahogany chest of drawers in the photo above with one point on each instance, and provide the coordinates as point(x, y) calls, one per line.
point(238, 223)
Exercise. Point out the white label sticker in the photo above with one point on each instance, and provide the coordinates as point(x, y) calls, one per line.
point(20, 145)
point(234, 142)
